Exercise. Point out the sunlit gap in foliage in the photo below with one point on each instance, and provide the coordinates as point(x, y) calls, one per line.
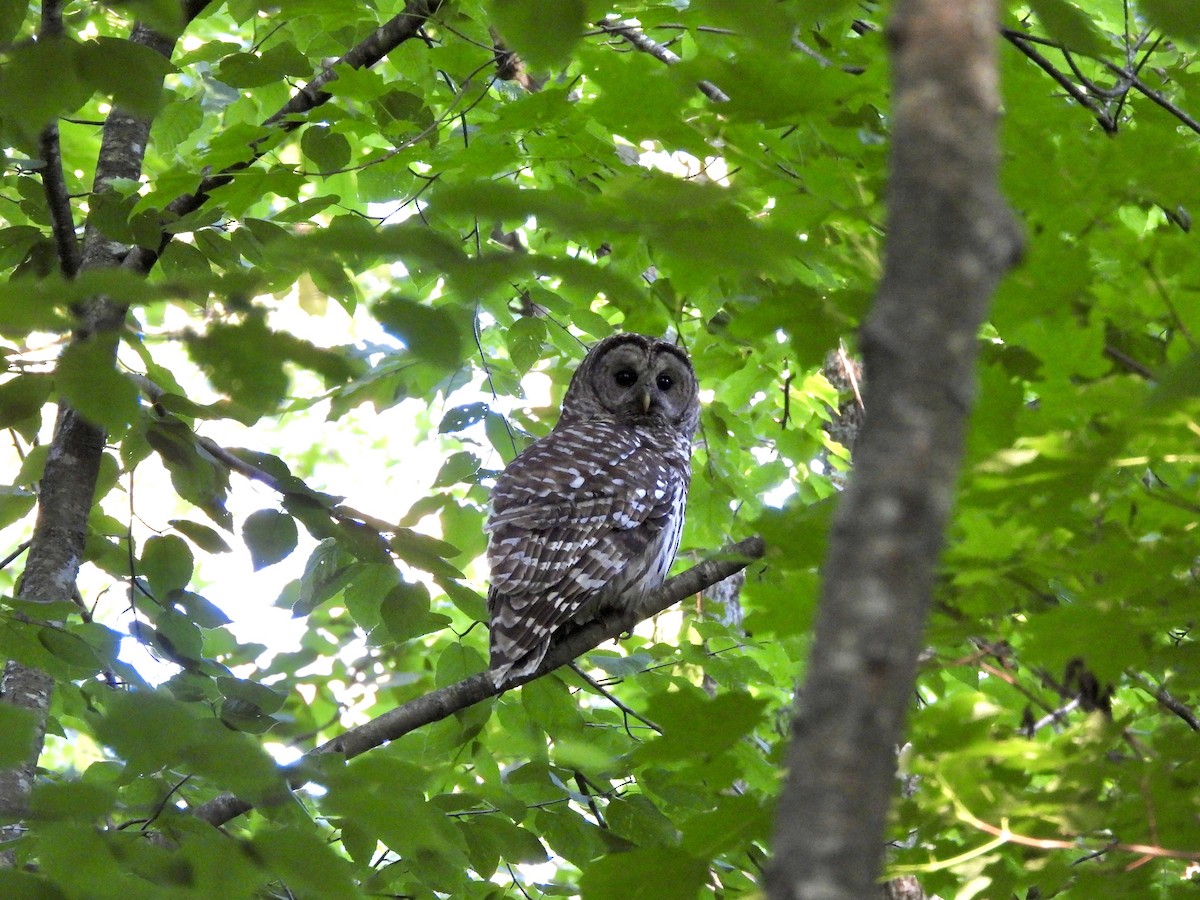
point(682, 164)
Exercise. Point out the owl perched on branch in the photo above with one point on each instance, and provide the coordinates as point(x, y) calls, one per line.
point(588, 518)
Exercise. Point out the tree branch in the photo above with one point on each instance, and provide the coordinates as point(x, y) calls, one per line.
point(1157, 97)
point(446, 701)
point(1020, 40)
point(1127, 77)
point(73, 462)
point(659, 52)
point(950, 238)
point(1167, 701)
point(54, 183)
point(376, 46)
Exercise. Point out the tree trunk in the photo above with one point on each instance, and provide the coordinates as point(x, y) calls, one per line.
point(73, 463)
point(950, 239)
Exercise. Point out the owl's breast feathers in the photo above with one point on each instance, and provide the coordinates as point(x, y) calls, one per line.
point(583, 516)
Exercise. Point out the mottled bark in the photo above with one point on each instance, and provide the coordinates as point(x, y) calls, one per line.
point(950, 238)
point(73, 461)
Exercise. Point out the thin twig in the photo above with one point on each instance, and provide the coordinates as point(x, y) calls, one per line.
point(625, 710)
point(235, 463)
point(1055, 717)
point(1022, 42)
point(1008, 836)
point(1125, 76)
point(287, 118)
point(658, 51)
point(1167, 701)
point(586, 788)
point(21, 548)
point(1154, 96)
point(1128, 362)
point(825, 61)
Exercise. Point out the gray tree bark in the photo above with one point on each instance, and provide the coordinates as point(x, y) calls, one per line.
point(73, 462)
point(950, 239)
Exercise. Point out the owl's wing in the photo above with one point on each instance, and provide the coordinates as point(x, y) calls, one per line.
point(571, 517)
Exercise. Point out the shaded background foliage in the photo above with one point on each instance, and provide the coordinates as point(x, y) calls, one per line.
point(456, 217)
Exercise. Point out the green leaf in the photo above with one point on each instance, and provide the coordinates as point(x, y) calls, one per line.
point(131, 73)
point(178, 638)
point(509, 842)
point(431, 333)
point(28, 99)
point(549, 704)
point(248, 70)
point(195, 477)
point(405, 612)
point(457, 467)
point(425, 553)
point(87, 378)
point(542, 31)
point(696, 725)
point(15, 504)
point(636, 818)
point(305, 862)
point(270, 536)
point(329, 150)
point(366, 590)
point(462, 417)
point(1071, 26)
point(1178, 18)
point(466, 600)
point(239, 362)
point(501, 437)
point(167, 564)
point(263, 698)
point(735, 821)
point(207, 539)
point(72, 800)
point(69, 647)
point(456, 663)
point(644, 874)
point(17, 729)
point(23, 397)
point(524, 339)
point(325, 574)
point(17, 885)
point(199, 610)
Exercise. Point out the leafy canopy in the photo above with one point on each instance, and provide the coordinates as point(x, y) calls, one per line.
point(430, 249)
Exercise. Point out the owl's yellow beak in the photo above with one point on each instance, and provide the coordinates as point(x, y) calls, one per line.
point(645, 398)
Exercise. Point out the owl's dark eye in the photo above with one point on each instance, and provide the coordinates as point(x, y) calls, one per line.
point(664, 382)
point(625, 377)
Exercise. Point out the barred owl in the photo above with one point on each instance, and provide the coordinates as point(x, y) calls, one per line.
point(588, 518)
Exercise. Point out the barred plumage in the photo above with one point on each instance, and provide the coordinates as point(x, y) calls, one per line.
point(590, 516)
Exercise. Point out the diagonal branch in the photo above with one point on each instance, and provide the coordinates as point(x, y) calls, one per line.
point(1154, 96)
point(1020, 40)
point(1127, 79)
point(446, 701)
point(372, 49)
point(658, 51)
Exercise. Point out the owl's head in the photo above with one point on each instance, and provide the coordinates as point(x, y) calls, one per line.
point(635, 379)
